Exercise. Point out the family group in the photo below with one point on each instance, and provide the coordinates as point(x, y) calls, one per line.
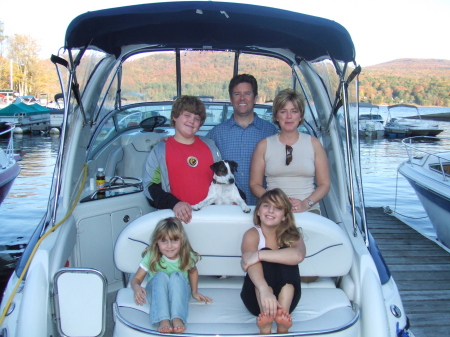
point(279, 169)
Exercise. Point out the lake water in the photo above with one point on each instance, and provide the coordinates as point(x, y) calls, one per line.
point(26, 203)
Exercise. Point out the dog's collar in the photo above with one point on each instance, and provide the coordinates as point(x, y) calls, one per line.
point(215, 182)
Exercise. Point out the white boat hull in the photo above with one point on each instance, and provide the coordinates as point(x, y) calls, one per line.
point(429, 175)
point(435, 198)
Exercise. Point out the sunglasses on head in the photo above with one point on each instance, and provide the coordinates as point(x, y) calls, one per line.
point(288, 154)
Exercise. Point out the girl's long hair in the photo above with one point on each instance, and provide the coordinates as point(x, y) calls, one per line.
point(173, 229)
point(287, 232)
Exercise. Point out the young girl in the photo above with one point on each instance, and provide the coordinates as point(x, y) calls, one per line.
point(271, 252)
point(169, 260)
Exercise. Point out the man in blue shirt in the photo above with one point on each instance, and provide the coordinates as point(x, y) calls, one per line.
point(238, 136)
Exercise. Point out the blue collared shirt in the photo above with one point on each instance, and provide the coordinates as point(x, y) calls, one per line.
point(236, 143)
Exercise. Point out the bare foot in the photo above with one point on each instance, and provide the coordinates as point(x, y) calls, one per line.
point(264, 323)
point(283, 320)
point(178, 326)
point(164, 326)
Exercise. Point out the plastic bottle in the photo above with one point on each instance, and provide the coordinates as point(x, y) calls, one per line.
point(100, 177)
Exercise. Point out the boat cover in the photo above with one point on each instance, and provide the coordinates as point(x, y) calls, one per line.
point(218, 25)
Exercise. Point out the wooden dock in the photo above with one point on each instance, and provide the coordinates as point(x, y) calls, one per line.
point(421, 269)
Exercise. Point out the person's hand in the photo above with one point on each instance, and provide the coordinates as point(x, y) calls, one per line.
point(299, 206)
point(183, 211)
point(201, 298)
point(140, 296)
point(269, 303)
point(249, 259)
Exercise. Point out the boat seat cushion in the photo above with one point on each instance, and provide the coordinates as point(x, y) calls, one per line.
point(216, 232)
point(319, 309)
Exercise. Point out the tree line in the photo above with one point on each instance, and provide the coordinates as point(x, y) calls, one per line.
point(420, 82)
point(411, 81)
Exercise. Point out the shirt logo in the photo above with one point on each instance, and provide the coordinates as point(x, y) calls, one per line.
point(192, 161)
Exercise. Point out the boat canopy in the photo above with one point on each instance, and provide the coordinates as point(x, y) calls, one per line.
point(210, 25)
point(15, 108)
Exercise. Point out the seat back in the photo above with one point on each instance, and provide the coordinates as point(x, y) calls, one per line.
point(216, 232)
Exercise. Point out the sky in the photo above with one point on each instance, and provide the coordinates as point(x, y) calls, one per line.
point(382, 30)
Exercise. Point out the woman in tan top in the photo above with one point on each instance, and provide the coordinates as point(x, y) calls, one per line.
point(291, 160)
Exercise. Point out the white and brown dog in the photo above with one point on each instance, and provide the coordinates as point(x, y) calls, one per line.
point(223, 189)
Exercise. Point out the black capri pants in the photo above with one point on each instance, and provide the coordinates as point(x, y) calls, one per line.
point(277, 276)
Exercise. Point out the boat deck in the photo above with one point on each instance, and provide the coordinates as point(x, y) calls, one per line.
point(421, 269)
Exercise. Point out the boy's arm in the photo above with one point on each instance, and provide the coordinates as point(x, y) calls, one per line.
point(193, 280)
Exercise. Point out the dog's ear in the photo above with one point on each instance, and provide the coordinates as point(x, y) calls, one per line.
point(215, 166)
point(233, 165)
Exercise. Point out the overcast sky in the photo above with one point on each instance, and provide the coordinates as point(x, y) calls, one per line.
point(382, 30)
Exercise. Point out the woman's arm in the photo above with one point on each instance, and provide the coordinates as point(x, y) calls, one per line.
point(193, 281)
point(322, 176)
point(139, 292)
point(258, 168)
point(322, 172)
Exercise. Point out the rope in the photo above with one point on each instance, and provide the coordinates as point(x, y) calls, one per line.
point(11, 297)
point(389, 211)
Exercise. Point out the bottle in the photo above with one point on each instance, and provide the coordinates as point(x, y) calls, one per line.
point(100, 177)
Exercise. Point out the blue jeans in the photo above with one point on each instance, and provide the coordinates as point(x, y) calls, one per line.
point(168, 297)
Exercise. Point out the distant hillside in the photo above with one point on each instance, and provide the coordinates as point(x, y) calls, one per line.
point(423, 82)
point(411, 67)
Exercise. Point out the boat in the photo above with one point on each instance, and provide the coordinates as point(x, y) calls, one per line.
point(25, 116)
point(428, 172)
point(411, 126)
point(9, 169)
point(73, 278)
point(371, 123)
point(57, 114)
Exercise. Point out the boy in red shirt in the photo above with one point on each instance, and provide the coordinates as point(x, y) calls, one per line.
point(177, 172)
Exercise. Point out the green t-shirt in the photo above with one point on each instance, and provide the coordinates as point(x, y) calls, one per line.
point(171, 266)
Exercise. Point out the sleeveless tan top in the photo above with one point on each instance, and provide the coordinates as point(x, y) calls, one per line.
point(297, 178)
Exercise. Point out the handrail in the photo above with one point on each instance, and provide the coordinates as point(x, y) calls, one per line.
point(10, 147)
point(410, 148)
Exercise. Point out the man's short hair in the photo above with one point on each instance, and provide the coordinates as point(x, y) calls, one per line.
point(243, 78)
point(193, 104)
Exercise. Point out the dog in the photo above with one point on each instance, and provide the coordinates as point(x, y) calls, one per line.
point(223, 189)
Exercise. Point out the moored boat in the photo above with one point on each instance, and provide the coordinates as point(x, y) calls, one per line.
point(428, 172)
point(25, 116)
point(9, 169)
point(87, 245)
point(411, 126)
point(371, 123)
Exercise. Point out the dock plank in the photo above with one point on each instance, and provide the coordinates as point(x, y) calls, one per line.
point(421, 269)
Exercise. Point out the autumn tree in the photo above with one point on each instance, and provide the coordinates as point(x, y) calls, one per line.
point(4, 63)
point(23, 50)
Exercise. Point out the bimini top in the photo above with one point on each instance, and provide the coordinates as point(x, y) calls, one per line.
point(216, 25)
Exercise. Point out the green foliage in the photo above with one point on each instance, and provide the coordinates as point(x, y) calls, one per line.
point(414, 81)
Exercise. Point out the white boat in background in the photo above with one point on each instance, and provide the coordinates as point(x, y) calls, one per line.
point(429, 174)
point(411, 126)
point(9, 169)
point(87, 245)
point(371, 123)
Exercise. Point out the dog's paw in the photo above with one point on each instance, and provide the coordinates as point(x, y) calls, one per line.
point(196, 208)
point(246, 209)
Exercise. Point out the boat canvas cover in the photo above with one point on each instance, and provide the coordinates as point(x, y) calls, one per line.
point(206, 24)
point(29, 109)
